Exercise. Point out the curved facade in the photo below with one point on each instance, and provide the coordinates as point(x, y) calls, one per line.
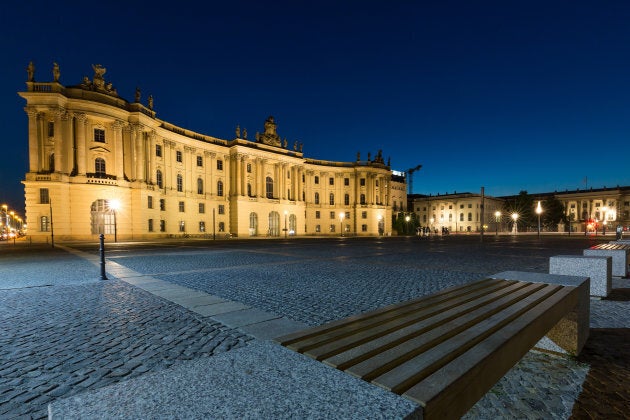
point(101, 164)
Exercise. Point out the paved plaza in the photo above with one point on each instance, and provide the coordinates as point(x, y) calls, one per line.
point(165, 305)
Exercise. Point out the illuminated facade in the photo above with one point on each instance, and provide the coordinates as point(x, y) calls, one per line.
point(90, 148)
point(590, 210)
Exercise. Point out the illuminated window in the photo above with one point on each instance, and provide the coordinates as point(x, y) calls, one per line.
point(178, 156)
point(99, 135)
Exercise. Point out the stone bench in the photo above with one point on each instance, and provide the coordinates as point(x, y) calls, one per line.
point(619, 254)
point(597, 268)
point(446, 350)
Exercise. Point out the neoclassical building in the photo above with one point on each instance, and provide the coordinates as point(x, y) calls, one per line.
point(101, 164)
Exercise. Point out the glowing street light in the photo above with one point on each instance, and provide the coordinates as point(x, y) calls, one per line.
point(114, 205)
point(538, 211)
point(515, 218)
point(497, 217)
point(341, 216)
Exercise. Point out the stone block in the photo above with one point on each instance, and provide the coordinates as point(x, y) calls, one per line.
point(570, 334)
point(619, 259)
point(597, 268)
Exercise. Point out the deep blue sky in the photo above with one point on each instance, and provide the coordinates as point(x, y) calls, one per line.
point(508, 95)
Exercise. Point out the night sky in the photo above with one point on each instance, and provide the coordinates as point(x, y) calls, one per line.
point(507, 95)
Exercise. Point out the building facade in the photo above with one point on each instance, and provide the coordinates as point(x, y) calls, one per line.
point(592, 210)
point(459, 213)
point(100, 164)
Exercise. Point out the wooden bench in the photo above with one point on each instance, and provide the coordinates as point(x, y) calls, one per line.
point(446, 350)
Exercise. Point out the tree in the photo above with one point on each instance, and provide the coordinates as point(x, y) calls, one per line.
point(403, 227)
point(523, 205)
point(553, 213)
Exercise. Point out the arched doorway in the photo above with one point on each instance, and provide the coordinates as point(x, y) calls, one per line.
point(292, 224)
point(274, 224)
point(253, 224)
point(102, 218)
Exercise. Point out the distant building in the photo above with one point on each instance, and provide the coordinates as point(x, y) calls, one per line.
point(100, 164)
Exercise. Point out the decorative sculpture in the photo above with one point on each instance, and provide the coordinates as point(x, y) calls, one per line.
point(137, 97)
point(150, 102)
point(55, 72)
point(238, 131)
point(30, 71)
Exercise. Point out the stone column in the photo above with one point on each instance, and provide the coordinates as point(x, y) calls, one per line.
point(68, 143)
point(118, 147)
point(150, 172)
point(209, 180)
point(243, 167)
point(80, 126)
point(189, 161)
point(33, 140)
point(137, 140)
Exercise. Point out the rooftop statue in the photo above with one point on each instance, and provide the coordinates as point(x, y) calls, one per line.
point(55, 72)
point(270, 136)
point(30, 72)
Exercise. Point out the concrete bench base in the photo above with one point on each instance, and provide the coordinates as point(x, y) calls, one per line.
point(619, 254)
point(597, 268)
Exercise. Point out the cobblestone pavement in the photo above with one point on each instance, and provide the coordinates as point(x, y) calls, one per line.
point(311, 281)
point(77, 335)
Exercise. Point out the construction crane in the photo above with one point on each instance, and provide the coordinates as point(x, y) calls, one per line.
point(410, 178)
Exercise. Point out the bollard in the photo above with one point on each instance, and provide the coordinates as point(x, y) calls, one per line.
point(102, 253)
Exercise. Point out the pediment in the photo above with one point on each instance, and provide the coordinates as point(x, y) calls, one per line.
point(100, 149)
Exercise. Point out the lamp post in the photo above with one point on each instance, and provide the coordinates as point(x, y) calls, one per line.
point(497, 217)
point(538, 211)
point(341, 216)
point(114, 205)
point(407, 219)
point(285, 224)
point(514, 226)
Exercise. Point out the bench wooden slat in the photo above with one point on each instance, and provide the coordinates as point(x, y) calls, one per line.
point(386, 368)
point(442, 393)
point(449, 322)
point(298, 340)
point(329, 343)
point(404, 375)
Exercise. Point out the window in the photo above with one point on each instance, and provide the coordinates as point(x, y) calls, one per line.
point(220, 188)
point(269, 186)
point(318, 228)
point(158, 179)
point(180, 183)
point(626, 203)
point(316, 179)
point(364, 215)
point(249, 190)
point(461, 206)
point(202, 226)
point(470, 217)
point(347, 215)
point(331, 199)
point(150, 227)
point(150, 201)
point(346, 181)
point(99, 167)
point(221, 209)
point(288, 193)
point(199, 186)
point(317, 215)
point(162, 204)
point(51, 129)
point(158, 150)
point(249, 168)
point(362, 182)
point(178, 156)
point(181, 207)
point(332, 214)
point(51, 162)
point(221, 226)
point(363, 199)
point(219, 165)
point(363, 228)
point(288, 174)
point(470, 206)
point(332, 228)
point(316, 198)
point(44, 226)
point(99, 135)
point(331, 181)
point(44, 198)
point(202, 208)
point(346, 199)
point(162, 225)
point(182, 226)
point(199, 161)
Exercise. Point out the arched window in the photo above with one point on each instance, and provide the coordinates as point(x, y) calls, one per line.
point(220, 188)
point(346, 200)
point(199, 186)
point(253, 224)
point(316, 198)
point(292, 224)
point(331, 199)
point(274, 224)
point(269, 186)
point(99, 167)
point(158, 178)
point(180, 183)
point(102, 217)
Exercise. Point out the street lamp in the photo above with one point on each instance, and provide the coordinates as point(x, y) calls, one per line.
point(115, 205)
point(538, 211)
point(514, 227)
point(497, 216)
point(285, 224)
point(341, 216)
point(407, 219)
